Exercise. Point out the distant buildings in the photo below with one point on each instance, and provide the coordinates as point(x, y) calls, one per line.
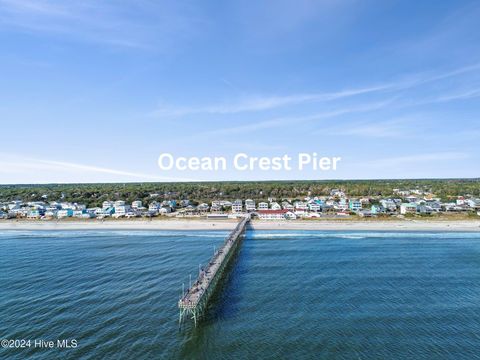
point(409, 202)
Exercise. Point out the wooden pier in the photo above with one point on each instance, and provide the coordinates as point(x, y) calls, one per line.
point(194, 300)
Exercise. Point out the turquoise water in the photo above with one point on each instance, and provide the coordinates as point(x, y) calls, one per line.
point(288, 294)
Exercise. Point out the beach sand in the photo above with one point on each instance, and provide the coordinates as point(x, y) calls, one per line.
point(203, 224)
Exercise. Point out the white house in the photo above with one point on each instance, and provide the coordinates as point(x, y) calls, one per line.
point(287, 206)
point(300, 206)
point(119, 203)
point(408, 208)
point(154, 207)
point(355, 205)
point(107, 205)
point(237, 206)
point(137, 204)
point(250, 205)
point(262, 206)
point(121, 210)
point(275, 206)
point(165, 210)
point(275, 214)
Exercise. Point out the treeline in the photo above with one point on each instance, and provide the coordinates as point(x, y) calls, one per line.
point(95, 194)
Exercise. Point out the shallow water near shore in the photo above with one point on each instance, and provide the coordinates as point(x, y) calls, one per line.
point(287, 294)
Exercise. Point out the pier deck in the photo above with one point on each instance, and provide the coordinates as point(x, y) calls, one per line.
point(194, 300)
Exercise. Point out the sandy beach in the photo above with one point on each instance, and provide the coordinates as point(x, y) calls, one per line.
point(203, 224)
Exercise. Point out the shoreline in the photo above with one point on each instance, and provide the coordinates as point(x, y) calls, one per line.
point(200, 224)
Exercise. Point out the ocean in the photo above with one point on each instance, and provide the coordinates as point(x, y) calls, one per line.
point(287, 295)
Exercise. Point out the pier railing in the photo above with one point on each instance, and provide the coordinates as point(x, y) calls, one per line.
point(195, 298)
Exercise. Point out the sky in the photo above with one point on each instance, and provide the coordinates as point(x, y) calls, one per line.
point(95, 91)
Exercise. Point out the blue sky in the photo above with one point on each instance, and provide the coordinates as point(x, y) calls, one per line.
point(95, 91)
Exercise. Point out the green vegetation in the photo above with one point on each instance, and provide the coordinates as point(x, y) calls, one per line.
point(95, 194)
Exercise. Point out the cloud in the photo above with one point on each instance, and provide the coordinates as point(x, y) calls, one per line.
point(288, 121)
point(269, 102)
point(41, 170)
point(123, 25)
point(261, 103)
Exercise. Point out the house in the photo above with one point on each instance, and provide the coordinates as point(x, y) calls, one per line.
point(408, 208)
point(190, 211)
point(154, 207)
point(226, 203)
point(137, 204)
point(121, 210)
point(389, 205)
point(78, 213)
point(355, 205)
point(275, 214)
point(300, 206)
point(64, 213)
point(185, 203)
point(314, 206)
point(342, 205)
point(411, 198)
point(337, 193)
point(216, 208)
point(377, 209)
point(165, 210)
point(34, 214)
point(287, 206)
point(14, 205)
point(424, 209)
point(275, 206)
point(249, 205)
point(237, 206)
point(203, 208)
point(262, 206)
point(107, 205)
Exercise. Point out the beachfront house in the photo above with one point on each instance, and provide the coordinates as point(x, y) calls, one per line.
point(354, 205)
point(120, 209)
point(389, 205)
point(262, 206)
point(237, 206)
point(64, 213)
point(216, 208)
point(107, 204)
point(14, 205)
point(249, 205)
point(203, 208)
point(153, 207)
point(287, 206)
point(165, 210)
point(34, 214)
point(137, 204)
point(275, 206)
point(408, 208)
point(275, 214)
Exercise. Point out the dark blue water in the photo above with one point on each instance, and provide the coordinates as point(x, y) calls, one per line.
point(289, 294)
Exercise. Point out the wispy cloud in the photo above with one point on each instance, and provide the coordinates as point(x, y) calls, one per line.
point(38, 169)
point(260, 103)
point(100, 22)
point(269, 102)
point(288, 121)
